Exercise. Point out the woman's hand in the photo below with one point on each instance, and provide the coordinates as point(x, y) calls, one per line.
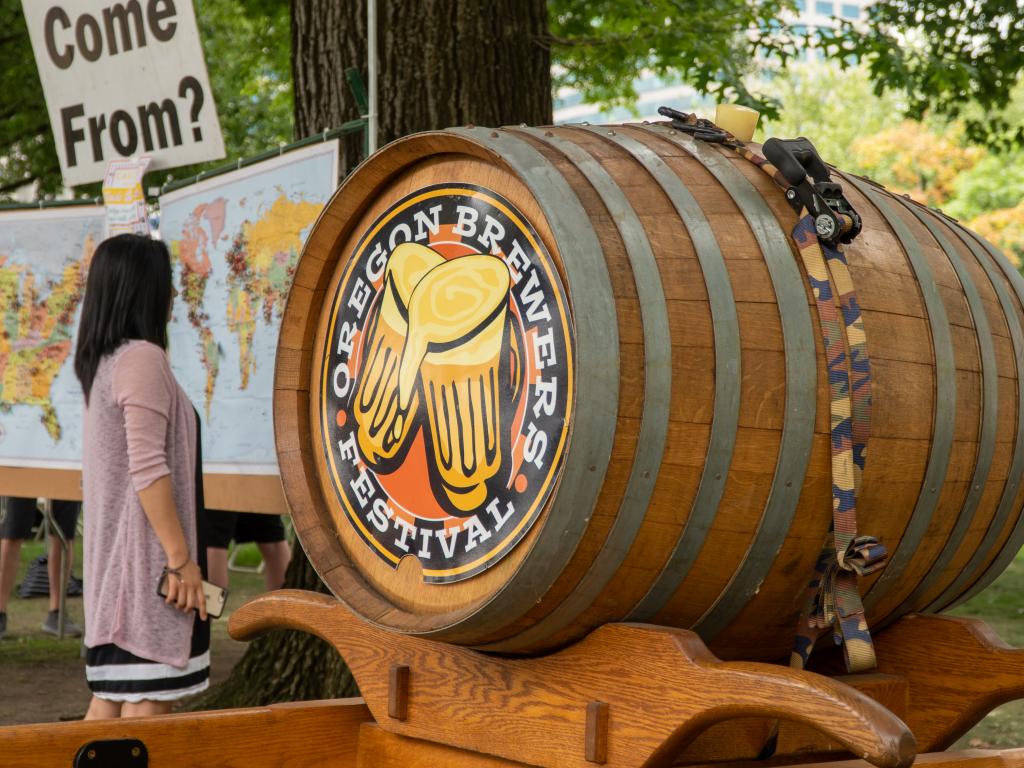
point(185, 588)
point(184, 583)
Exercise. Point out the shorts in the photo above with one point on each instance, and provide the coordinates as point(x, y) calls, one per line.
point(222, 527)
point(19, 517)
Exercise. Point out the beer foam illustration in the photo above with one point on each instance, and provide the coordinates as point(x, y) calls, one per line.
point(384, 424)
point(457, 318)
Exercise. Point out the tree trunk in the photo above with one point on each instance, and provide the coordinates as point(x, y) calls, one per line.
point(284, 665)
point(441, 63)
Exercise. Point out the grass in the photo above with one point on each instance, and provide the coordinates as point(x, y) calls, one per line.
point(26, 643)
point(38, 650)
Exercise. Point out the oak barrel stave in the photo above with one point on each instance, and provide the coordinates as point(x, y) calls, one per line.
point(1011, 537)
point(955, 414)
point(742, 570)
point(1005, 323)
point(969, 524)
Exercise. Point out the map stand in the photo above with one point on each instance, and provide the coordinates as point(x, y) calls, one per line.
point(626, 695)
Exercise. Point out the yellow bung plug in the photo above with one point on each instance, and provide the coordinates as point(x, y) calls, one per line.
point(737, 120)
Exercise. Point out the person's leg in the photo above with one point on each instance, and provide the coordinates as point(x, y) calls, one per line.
point(145, 708)
point(18, 516)
point(10, 558)
point(276, 556)
point(52, 624)
point(65, 515)
point(101, 709)
point(53, 569)
point(217, 566)
point(220, 529)
point(267, 532)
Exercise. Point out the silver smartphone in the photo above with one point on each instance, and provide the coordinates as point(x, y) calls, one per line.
point(215, 596)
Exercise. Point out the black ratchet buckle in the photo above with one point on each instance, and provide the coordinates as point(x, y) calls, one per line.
point(835, 220)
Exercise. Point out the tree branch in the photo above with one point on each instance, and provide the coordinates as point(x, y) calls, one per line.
point(13, 185)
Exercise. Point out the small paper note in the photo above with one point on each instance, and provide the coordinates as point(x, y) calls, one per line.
point(123, 196)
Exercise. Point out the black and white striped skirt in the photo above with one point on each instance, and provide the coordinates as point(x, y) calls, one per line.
point(115, 674)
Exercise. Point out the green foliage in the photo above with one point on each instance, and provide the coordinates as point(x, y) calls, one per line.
point(1005, 228)
point(601, 46)
point(248, 55)
point(248, 556)
point(952, 58)
point(945, 54)
point(831, 107)
point(995, 182)
point(934, 57)
point(26, 146)
point(932, 161)
point(911, 159)
point(247, 50)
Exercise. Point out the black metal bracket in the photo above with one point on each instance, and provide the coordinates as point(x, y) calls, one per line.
point(114, 753)
point(701, 129)
point(835, 220)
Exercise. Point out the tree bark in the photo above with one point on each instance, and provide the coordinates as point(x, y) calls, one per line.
point(441, 63)
point(284, 665)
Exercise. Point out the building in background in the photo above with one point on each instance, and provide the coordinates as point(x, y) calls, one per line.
point(653, 92)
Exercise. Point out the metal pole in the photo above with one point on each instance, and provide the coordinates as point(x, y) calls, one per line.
point(371, 68)
point(55, 529)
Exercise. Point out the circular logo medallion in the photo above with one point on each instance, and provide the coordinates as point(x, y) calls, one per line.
point(447, 381)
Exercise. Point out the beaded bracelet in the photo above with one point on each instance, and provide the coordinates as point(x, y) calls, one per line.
point(177, 571)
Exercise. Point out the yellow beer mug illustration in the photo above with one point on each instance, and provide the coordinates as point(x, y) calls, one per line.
point(385, 425)
point(445, 382)
point(457, 319)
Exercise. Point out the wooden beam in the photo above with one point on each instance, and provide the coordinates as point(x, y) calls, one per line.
point(667, 685)
point(957, 669)
point(380, 749)
point(745, 738)
point(236, 493)
point(972, 758)
point(315, 734)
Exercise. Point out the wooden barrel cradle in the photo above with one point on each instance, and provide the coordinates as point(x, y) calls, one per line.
point(533, 380)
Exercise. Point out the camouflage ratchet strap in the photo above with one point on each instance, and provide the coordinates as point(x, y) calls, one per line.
point(826, 219)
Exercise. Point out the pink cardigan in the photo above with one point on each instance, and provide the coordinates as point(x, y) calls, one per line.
point(139, 427)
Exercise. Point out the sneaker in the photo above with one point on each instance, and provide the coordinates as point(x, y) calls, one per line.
point(3, 625)
point(70, 628)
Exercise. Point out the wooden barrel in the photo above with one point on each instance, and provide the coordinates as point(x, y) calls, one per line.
point(533, 380)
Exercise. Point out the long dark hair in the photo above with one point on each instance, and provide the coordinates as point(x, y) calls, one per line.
point(127, 296)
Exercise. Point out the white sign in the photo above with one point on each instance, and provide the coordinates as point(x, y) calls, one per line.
point(123, 79)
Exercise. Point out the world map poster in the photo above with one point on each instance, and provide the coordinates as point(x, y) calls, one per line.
point(235, 240)
point(44, 257)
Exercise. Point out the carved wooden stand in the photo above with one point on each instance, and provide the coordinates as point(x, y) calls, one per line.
point(627, 695)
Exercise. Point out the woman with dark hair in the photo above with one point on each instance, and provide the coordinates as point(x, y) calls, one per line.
point(142, 488)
